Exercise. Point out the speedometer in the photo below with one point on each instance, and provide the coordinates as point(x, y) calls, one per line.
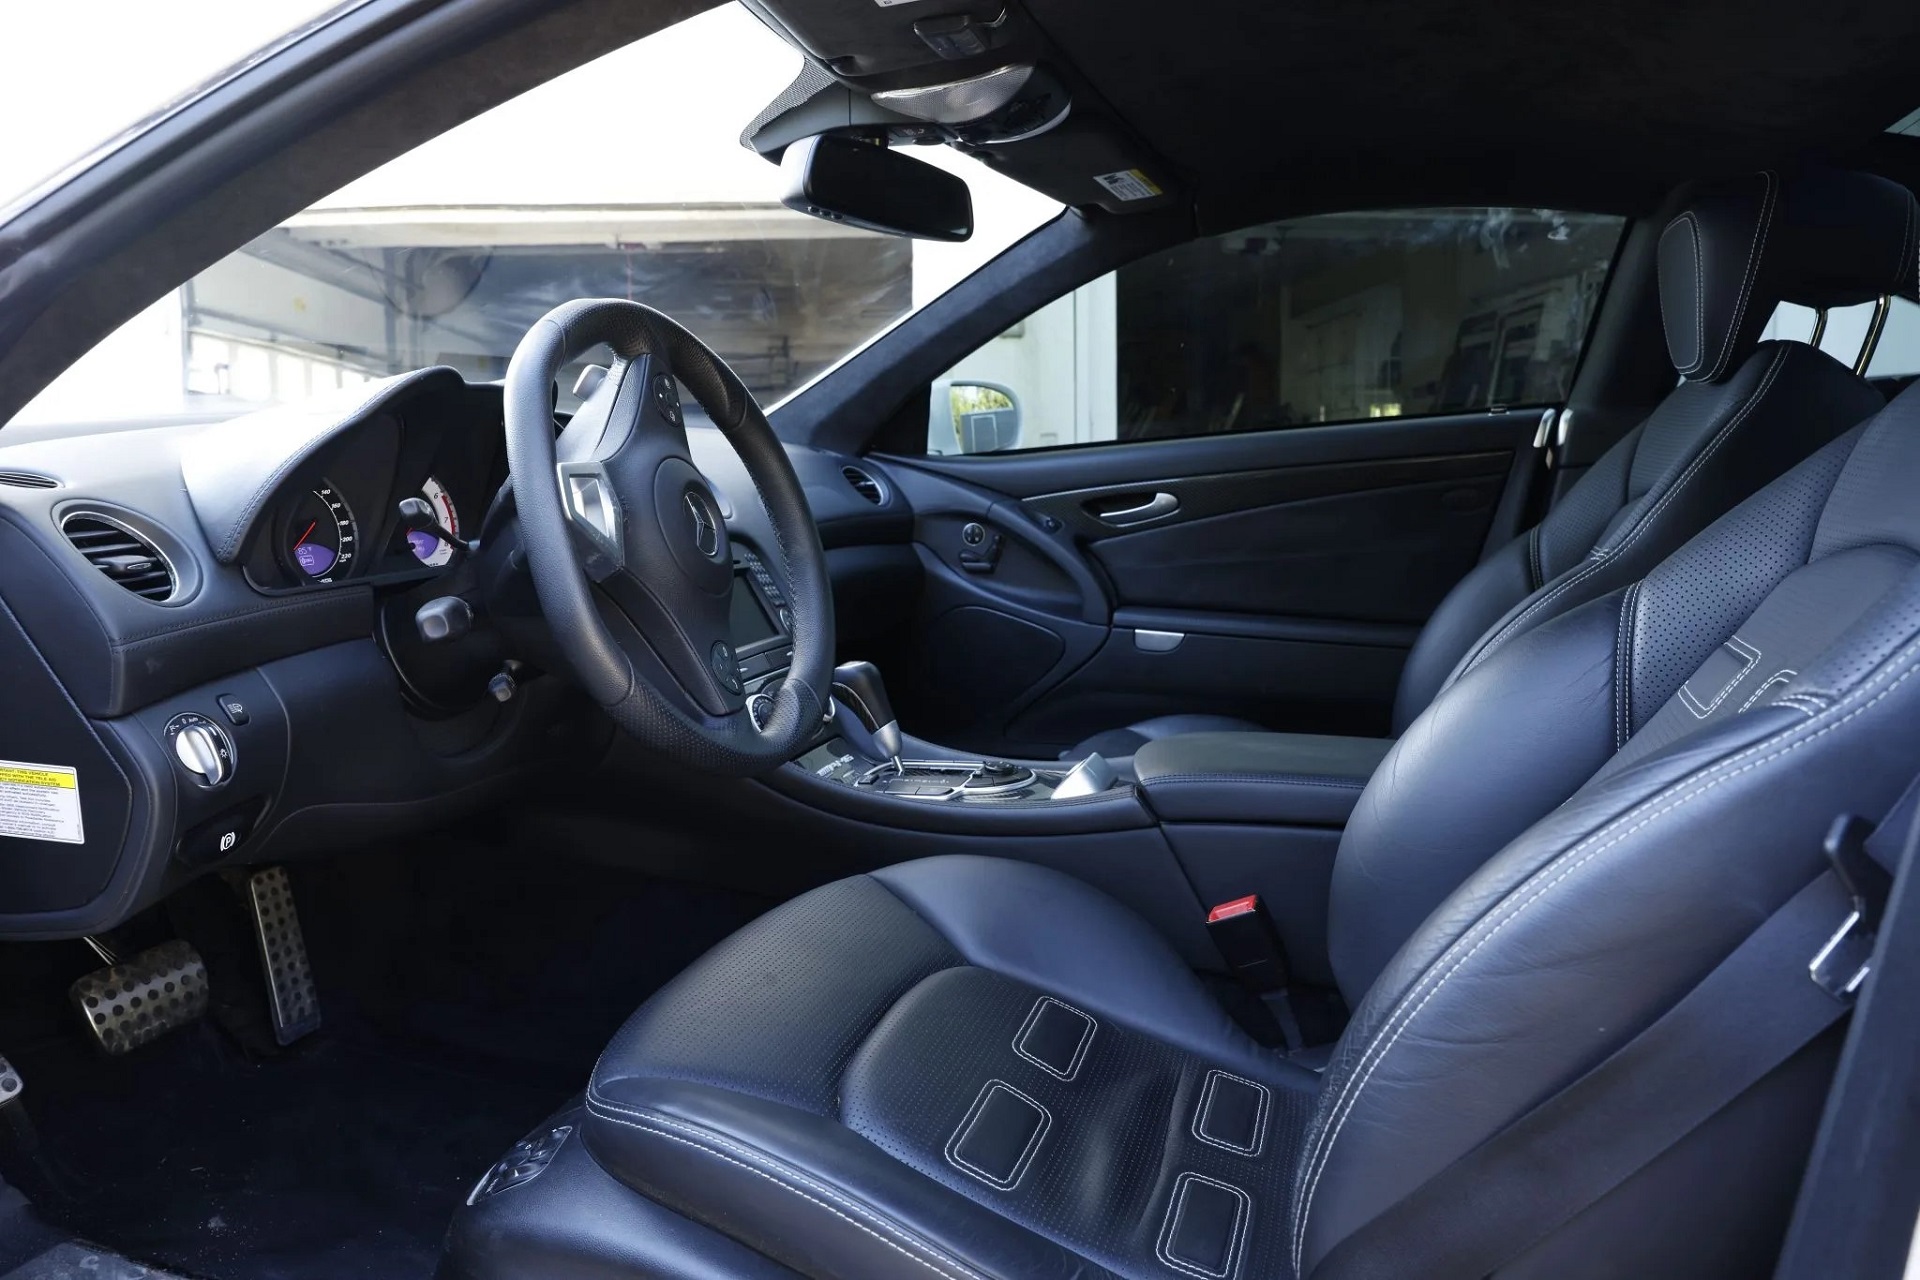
point(427, 548)
point(321, 536)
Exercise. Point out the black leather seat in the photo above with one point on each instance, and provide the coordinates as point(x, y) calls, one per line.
point(1743, 413)
point(977, 1069)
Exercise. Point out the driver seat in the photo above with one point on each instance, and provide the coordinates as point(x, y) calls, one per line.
point(976, 1069)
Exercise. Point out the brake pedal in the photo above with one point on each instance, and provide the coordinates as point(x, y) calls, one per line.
point(139, 1000)
point(283, 954)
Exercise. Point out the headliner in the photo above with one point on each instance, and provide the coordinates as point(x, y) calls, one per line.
point(1602, 106)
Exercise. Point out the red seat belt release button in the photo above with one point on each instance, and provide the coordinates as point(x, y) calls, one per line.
point(1248, 941)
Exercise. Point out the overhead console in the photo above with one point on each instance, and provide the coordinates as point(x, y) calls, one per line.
point(981, 77)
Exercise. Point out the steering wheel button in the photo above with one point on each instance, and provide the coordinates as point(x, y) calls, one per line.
point(726, 669)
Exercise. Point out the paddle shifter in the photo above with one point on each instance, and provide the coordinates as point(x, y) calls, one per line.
point(860, 689)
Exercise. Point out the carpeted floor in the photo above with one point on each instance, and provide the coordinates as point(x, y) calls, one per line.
point(465, 990)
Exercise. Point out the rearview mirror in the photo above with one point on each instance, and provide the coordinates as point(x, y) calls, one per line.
point(867, 185)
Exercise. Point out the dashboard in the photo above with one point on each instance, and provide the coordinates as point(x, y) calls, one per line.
point(212, 631)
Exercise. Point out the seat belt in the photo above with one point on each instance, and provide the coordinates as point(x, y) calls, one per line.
point(1803, 967)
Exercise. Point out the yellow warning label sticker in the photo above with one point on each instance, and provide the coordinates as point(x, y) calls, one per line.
point(40, 802)
point(1128, 184)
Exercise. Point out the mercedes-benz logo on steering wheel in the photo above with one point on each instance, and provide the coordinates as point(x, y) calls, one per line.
point(706, 524)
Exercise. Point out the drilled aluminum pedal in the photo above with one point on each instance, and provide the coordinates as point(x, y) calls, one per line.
point(129, 1004)
point(283, 954)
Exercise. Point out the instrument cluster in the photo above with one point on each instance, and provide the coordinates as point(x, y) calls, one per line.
point(339, 519)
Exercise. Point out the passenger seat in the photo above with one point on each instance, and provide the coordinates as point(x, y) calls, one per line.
point(1744, 412)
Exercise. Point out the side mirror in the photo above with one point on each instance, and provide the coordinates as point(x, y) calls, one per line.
point(867, 185)
point(977, 417)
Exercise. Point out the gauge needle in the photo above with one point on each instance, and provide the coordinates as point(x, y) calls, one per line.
point(306, 535)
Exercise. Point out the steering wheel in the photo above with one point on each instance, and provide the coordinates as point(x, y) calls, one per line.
point(628, 549)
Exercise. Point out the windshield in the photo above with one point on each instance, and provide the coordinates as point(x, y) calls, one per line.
point(447, 254)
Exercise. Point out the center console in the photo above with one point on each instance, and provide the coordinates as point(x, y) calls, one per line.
point(861, 746)
point(957, 780)
point(1199, 818)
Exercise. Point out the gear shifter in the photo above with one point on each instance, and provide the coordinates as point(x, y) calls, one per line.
point(859, 687)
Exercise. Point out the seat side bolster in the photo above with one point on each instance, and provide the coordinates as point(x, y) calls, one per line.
point(1478, 601)
point(805, 1190)
point(1789, 401)
point(1061, 935)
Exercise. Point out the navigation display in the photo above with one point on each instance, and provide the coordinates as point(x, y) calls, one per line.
point(750, 623)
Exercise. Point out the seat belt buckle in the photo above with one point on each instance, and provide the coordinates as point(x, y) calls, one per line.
point(1842, 965)
point(1249, 943)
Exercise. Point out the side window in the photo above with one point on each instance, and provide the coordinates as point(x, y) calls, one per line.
point(1337, 318)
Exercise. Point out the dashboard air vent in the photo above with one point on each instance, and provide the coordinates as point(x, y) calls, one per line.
point(865, 485)
point(128, 559)
point(28, 480)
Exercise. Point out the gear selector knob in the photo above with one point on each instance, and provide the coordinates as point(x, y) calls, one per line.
point(860, 689)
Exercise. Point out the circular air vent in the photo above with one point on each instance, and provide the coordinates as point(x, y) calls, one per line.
point(28, 480)
point(123, 555)
point(865, 485)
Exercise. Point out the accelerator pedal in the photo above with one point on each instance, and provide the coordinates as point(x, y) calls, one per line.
point(283, 954)
point(139, 1000)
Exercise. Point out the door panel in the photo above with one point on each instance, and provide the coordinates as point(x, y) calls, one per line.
point(1329, 542)
point(1284, 582)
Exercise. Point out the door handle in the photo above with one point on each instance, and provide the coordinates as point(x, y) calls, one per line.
point(1160, 504)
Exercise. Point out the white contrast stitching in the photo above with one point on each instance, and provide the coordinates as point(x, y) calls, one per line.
point(1550, 875)
point(1079, 1050)
point(1741, 649)
point(1755, 252)
point(1600, 557)
point(1779, 677)
point(1205, 1108)
point(650, 1124)
point(1027, 1153)
point(1623, 671)
point(1240, 1220)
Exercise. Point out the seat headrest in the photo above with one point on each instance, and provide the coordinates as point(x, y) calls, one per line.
point(1822, 238)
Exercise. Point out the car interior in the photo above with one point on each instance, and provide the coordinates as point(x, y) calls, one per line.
point(1335, 704)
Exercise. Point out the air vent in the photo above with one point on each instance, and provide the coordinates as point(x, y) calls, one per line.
point(865, 485)
point(28, 480)
point(128, 559)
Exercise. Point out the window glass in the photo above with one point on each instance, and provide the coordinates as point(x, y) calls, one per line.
point(1339, 318)
point(1895, 355)
point(139, 58)
point(449, 253)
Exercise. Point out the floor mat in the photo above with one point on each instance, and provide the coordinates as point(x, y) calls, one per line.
point(465, 988)
point(334, 1162)
point(83, 1262)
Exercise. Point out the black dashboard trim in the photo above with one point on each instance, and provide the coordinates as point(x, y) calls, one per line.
point(234, 470)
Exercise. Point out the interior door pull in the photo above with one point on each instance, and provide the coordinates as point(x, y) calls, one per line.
point(1160, 504)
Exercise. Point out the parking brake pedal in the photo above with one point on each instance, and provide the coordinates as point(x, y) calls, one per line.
point(138, 1000)
point(283, 954)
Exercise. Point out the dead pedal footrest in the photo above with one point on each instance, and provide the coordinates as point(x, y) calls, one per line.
point(294, 1003)
point(141, 999)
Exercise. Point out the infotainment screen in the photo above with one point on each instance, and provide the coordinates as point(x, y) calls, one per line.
point(750, 624)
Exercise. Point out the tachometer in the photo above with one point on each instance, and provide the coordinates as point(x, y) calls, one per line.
point(322, 537)
point(427, 548)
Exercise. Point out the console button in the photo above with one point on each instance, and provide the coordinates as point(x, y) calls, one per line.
point(233, 709)
point(216, 838)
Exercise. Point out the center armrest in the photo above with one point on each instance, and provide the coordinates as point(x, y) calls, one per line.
point(1284, 779)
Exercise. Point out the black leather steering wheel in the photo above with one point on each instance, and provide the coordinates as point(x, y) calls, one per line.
point(629, 552)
